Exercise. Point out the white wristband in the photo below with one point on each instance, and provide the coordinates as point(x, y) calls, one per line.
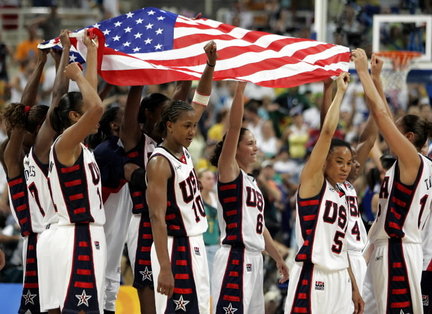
point(201, 99)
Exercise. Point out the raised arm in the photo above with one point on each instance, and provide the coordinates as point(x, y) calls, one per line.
point(12, 155)
point(158, 174)
point(409, 162)
point(91, 71)
point(68, 146)
point(312, 176)
point(29, 94)
point(227, 165)
point(181, 90)
point(46, 133)
point(130, 131)
point(327, 98)
point(205, 83)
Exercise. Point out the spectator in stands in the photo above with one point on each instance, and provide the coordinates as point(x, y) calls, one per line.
point(27, 49)
point(49, 24)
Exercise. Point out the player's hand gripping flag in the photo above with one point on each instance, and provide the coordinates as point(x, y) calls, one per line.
point(153, 46)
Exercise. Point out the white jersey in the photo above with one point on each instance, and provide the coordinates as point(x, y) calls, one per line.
point(427, 244)
point(321, 224)
point(36, 174)
point(356, 235)
point(241, 219)
point(76, 190)
point(185, 215)
point(402, 209)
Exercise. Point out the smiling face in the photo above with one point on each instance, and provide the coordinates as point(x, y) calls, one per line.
point(183, 130)
point(338, 164)
point(247, 149)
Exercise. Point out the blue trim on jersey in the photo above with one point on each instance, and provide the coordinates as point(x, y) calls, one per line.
point(142, 269)
point(232, 284)
point(399, 203)
point(308, 212)
point(173, 216)
point(30, 292)
point(20, 203)
point(184, 283)
point(398, 291)
point(43, 167)
point(231, 199)
point(82, 290)
point(302, 297)
point(73, 184)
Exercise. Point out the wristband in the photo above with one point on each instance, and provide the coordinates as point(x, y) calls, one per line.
point(212, 66)
point(201, 99)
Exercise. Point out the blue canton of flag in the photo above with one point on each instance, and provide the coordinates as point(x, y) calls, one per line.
point(141, 31)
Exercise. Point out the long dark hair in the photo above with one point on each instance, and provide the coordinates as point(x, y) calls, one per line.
point(171, 113)
point(104, 130)
point(214, 159)
point(336, 142)
point(17, 115)
point(150, 103)
point(71, 101)
point(421, 128)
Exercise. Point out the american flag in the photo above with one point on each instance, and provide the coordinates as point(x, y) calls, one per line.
point(153, 46)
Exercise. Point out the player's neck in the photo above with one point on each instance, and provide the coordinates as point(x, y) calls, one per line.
point(173, 148)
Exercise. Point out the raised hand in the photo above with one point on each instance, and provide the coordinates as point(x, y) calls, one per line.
point(376, 66)
point(342, 81)
point(360, 60)
point(211, 52)
point(73, 71)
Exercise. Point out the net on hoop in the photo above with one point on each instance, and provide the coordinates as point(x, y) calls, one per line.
point(394, 74)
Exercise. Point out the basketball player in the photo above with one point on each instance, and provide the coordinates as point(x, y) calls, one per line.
point(356, 235)
point(238, 262)
point(23, 122)
point(178, 254)
point(76, 192)
point(36, 169)
point(394, 269)
point(321, 275)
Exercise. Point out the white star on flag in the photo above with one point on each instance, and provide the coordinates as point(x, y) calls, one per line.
point(96, 25)
point(159, 31)
point(181, 304)
point(72, 58)
point(106, 32)
point(137, 35)
point(129, 14)
point(161, 18)
point(149, 26)
point(151, 12)
point(147, 275)
point(127, 29)
point(229, 309)
point(28, 297)
point(117, 24)
point(139, 21)
point(83, 298)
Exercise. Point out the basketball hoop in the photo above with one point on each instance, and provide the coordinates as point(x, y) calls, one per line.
point(394, 75)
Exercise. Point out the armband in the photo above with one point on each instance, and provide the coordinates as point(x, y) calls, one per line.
point(200, 99)
point(138, 179)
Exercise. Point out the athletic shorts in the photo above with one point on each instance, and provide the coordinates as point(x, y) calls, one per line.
point(81, 261)
point(191, 277)
point(392, 283)
point(237, 283)
point(315, 290)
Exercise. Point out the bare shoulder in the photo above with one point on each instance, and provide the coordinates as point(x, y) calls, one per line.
point(158, 167)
